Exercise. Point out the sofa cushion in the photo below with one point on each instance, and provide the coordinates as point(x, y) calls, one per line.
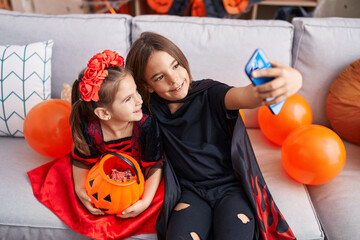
point(77, 38)
point(337, 202)
point(38, 222)
point(343, 103)
point(17, 199)
point(220, 48)
point(322, 49)
point(25, 76)
point(291, 197)
point(22, 216)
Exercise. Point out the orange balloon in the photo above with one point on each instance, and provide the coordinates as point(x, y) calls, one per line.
point(47, 128)
point(295, 112)
point(313, 154)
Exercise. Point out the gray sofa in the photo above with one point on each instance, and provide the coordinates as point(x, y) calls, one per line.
point(215, 48)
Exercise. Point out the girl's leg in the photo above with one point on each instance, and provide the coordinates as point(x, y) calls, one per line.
point(233, 218)
point(191, 218)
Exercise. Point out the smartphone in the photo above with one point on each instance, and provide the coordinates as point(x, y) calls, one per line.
point(259, 61)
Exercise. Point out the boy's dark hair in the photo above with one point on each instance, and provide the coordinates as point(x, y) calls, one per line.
point(140, 52)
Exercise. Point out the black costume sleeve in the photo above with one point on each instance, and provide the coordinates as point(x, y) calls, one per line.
point(217, 99)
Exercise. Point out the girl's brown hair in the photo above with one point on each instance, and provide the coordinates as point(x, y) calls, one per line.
point(140, 52)
point(82, 111)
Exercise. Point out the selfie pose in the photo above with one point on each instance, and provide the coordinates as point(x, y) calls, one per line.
point(221, 192)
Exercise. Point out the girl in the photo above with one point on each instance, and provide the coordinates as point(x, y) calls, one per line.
point(195, 118)
point(105, 100)
point(106, 115)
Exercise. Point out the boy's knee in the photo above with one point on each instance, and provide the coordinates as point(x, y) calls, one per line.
point(181, 206)
point(244, 218)
point(195, 236)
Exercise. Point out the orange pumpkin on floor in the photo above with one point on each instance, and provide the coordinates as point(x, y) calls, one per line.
point(108, 195)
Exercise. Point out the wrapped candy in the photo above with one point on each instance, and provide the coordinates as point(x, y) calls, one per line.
point(121, 176)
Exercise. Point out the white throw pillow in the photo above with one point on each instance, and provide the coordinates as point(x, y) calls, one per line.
point(25, 80)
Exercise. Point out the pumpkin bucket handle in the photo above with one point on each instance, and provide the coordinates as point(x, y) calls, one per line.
point(125, 160)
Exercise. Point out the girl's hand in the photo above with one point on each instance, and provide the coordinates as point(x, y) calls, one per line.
point(86, 201)
point(287, 81)
point(79, 176)
point(151, 185)
point(134, 210)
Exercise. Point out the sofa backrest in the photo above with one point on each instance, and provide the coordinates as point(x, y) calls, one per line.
point(76, 39)
point(323, 47)
point(220, 48)
point(215, 48)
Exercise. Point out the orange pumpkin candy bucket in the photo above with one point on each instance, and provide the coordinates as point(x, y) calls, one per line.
point(113, 197)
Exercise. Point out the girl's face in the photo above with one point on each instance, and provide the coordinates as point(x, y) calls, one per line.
point(127, 103)
point(166, 77)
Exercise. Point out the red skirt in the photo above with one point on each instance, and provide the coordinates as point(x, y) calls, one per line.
point(53, 186)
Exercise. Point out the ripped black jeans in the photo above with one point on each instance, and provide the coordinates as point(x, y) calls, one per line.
point(219, 213)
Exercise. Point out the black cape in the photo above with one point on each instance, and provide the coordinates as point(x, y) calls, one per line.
point(270, 222)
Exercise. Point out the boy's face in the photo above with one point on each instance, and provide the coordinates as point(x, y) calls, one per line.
point(127, 103)
point(166, 77)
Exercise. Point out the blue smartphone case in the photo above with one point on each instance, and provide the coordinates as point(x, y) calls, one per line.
point(259, 61)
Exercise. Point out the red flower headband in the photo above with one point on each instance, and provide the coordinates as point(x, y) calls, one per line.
point(95, 73)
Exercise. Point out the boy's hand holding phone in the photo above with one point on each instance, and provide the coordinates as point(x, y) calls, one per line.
point(259, 61)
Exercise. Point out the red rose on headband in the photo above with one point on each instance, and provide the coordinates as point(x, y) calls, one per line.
point(96, 62)
point(95, 75)
point(96, 72)
point(113, 58)
point(89, 91)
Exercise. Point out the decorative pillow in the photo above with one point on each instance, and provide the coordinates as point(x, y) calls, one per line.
point(343, 103)
point(25, 78)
